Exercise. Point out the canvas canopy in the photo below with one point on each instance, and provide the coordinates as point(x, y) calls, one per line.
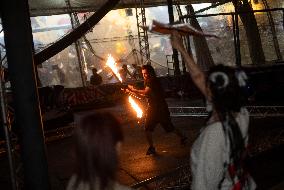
point(54, 7)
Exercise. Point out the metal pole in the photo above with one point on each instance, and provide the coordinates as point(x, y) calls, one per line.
point(19, 51)
point(6, 126)
point(235, 38)
point(237, 35)
point(77, 43)
point(239, 58)
point(273, 31)
point(168, 64)
point(77, 47)
point(188, 46)
point(229, 13)
point(142, 32)
point(175, 52)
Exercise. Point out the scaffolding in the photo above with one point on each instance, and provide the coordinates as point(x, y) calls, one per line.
point(7, 119)
point(142, 32)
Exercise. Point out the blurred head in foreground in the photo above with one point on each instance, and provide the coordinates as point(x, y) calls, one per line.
point(97, 141)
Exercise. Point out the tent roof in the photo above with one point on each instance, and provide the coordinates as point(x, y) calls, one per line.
point(54, 7)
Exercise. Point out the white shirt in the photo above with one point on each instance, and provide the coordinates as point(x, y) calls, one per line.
point(210, 152)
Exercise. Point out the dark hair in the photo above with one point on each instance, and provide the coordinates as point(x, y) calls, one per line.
point(228, 97)
point(94, 70)
point(150, 70)
point(95, 146)
point(227, 94)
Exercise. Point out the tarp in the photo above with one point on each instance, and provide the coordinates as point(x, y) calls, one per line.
point(54, 7)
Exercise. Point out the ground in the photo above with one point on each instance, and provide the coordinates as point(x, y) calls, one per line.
point(266, 162)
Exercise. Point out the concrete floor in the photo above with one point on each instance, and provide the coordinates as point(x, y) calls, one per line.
point(266, 165)
point(135, 164)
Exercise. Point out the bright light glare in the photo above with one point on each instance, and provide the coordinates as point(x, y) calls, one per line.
point(197, 7)
point(113, 66)
point(135, 106)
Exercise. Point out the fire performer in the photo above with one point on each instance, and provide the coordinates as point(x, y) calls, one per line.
point(157, 111)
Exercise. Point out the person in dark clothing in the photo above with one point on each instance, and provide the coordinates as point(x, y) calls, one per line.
point(157, 111)
point(95, 79)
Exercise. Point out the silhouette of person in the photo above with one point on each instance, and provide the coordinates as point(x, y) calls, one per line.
point(95, 79)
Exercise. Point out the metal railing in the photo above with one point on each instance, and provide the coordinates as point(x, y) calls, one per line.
point(255, 111)
point(178, 178)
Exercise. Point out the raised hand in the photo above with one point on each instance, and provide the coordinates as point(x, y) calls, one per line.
point(130, 87)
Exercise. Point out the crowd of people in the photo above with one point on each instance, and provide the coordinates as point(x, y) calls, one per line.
point(136, 74)
point(217, 156)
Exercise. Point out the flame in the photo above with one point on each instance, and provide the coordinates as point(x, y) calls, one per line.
point(135, 106)
point(112, 65)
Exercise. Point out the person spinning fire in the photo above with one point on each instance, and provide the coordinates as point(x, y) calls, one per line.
point(157, 110)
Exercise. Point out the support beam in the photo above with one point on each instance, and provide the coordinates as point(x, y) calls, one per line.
point(175, 52)
point(142, 32)
point(19, 50)
point(75, 34)
point(214, 5)
point(273, 31)
point(6, 126)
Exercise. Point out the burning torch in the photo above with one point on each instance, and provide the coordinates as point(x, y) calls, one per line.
point(113, 66)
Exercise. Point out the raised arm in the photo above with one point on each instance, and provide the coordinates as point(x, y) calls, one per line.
point(197, 75)
point(143, 92)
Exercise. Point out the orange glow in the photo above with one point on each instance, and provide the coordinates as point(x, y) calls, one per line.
point(113, 66)
point(135, 106)
point(120, 48)
point(257, 6)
